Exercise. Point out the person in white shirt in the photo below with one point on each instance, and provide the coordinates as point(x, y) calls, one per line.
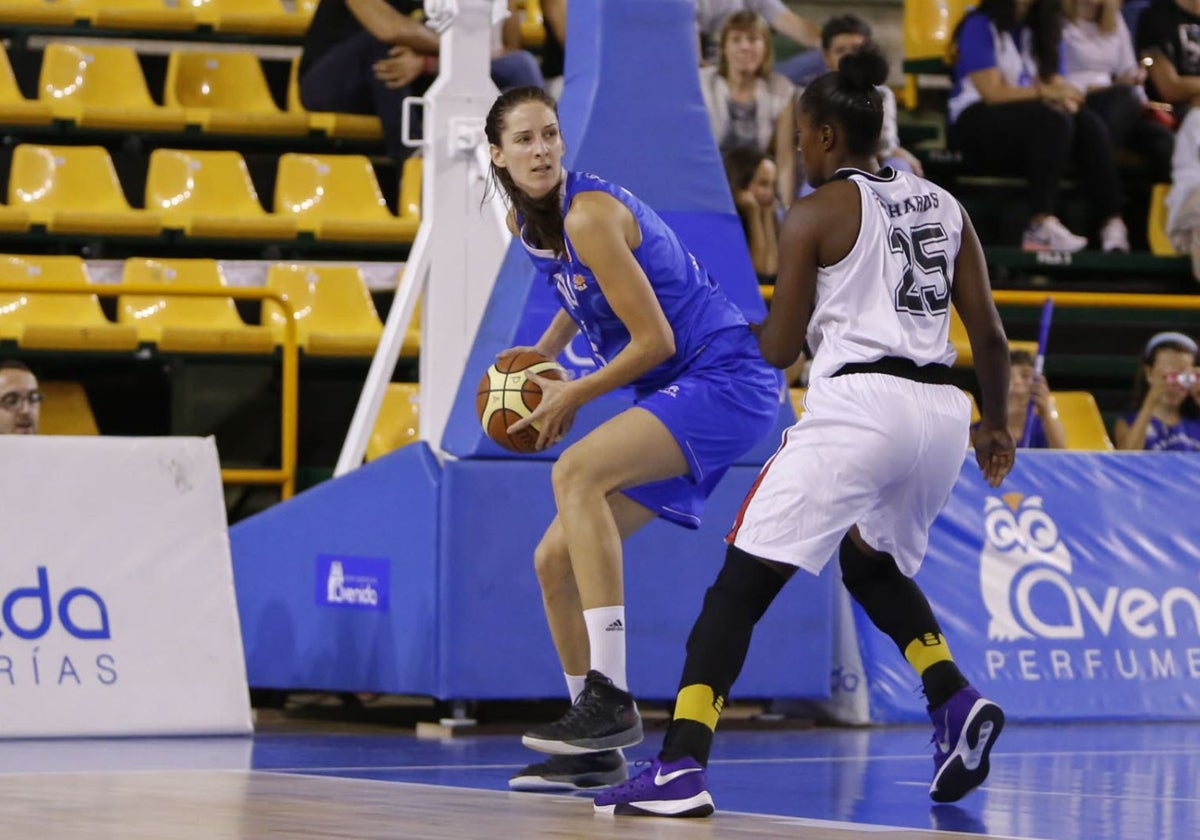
point(1011, 112)
point(1098, 59)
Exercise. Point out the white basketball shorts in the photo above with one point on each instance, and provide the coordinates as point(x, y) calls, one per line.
point(871, 450)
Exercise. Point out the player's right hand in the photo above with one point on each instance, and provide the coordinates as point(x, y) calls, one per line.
point(995, 451)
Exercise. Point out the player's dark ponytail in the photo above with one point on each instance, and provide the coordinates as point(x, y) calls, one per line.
point(849, 98)
point(542, 217)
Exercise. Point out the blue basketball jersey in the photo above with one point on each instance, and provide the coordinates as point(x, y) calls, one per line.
point(693, 303)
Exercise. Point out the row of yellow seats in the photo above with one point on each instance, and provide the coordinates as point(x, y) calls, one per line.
point(75, 190)
point(254, 17)
point(1081, 418)
point(334, 313)
point(102, 86)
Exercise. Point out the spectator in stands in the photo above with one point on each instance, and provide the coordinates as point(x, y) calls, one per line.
point(841, 36)
point(20, 399)
point(1168, 36)
point(366, 56)
point(748, 104)
point(1024, 385)
point(1099, 60)
point(1166, 404)
point(751, 176)
point(806, 65)
point(1012, 112)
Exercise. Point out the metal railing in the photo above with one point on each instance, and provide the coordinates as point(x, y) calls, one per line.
point(285, 475)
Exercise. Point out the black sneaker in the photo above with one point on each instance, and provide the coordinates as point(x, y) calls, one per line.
point(602, 718)
point(572, 772)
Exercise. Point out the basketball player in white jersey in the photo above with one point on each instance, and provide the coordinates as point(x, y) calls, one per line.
point(869, 266)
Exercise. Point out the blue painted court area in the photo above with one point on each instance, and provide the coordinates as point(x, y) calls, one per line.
point(1091, 782)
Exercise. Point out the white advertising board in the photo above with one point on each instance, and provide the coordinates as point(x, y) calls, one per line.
point(117, 608)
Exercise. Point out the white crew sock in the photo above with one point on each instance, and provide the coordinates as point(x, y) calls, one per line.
point(574, 685)
point(606, 635)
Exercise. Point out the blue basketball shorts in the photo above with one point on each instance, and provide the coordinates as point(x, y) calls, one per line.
point(716, 410)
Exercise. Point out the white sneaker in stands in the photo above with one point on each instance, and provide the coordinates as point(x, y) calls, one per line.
point(1051, 235)
point(1114, 236)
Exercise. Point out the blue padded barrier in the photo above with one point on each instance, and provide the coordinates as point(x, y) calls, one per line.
point(377, 522)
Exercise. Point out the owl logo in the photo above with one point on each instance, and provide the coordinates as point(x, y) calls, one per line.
point(1019, 534)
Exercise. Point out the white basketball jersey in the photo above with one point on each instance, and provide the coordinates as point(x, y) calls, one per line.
point(890, 296)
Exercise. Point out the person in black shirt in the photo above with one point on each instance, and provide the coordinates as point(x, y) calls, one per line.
point(366, 56)
point(1168, 33)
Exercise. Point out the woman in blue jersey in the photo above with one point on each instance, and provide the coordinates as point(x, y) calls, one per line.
point(655, 321)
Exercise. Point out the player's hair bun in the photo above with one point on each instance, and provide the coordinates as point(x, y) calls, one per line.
point(864, 68)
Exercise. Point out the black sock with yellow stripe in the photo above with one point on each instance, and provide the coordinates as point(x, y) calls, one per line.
point(898, 607)
point(716, 649)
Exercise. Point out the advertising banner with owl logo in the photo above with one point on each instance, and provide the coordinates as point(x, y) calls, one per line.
point(1070, 592)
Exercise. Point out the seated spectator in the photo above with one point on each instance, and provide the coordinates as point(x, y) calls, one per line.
point(1099, 60)
point(1168, 36)
point(1024, 385)
point(20, 399)
point(1012, 112)
point(841, 36)
point(1166, 404)
point(366, 56)
point(748, 104)
point(711, 16)
point(751, 176)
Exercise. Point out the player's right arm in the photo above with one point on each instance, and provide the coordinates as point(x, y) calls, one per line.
point(972, 296)
point(562, 328)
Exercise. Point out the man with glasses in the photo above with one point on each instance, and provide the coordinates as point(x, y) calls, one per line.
point(20, 399)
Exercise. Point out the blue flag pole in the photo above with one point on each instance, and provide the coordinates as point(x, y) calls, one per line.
point(1039, 363)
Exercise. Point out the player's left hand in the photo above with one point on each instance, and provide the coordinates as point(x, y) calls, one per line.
point(555, 413)
point(995, 451)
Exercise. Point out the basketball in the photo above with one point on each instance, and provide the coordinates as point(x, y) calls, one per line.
point(506, 394)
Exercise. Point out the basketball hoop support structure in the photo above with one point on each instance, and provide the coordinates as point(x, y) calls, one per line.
point(462, 237)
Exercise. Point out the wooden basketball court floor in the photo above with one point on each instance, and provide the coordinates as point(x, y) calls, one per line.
point(1087, 782)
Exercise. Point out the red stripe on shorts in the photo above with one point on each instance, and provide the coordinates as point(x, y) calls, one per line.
point(737, 523)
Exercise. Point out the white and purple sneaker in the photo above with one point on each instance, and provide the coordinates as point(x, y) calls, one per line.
point(664, 789)
point(964, 729)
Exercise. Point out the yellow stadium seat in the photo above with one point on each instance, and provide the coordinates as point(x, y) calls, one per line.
point(357, 126)
point(251, 17)
point(1082, 421)
point(210, 194)
point(15, 109)
point(102, 87)
point(74, 189)
point(34, 12)
point(135, 14)
point(187, 324)
point(1156, 223)
point(397, 422)
point(337, 198)
point(334, 313)
point(226, 92)
point(410, 191)
point(56, 321)
point(66, 410)
point(533, 24)
point(929, 27)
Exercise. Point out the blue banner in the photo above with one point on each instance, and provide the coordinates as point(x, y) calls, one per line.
point(1071, 592)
